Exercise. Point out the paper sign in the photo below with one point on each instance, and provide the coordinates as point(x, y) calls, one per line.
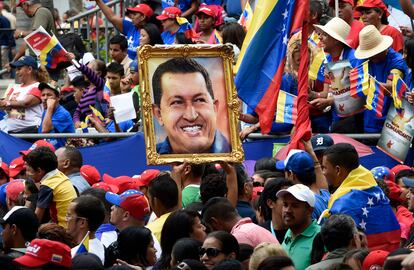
point(398, 132)
point(124, 107)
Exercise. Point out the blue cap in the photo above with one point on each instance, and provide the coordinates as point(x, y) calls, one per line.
point(281, 164)
point(408, 182)
point(3, 193)
point(381, 173)
point(300, 163)
point(25, 61)
point(321, 141)
point(133, 66)
point(118, 199)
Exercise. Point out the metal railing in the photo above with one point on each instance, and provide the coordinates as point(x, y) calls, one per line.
point(82, 25)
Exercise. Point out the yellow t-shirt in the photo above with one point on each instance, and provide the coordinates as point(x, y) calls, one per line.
point(156, 225)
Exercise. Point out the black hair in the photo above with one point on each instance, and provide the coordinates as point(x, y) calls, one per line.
point(52, 266)
point(164, 188)
point(192, 264)
point(307, 178)
point(42, 158)
point(338, 231)
point(409, 51)
point(100, 194)
point(213, 185)
point(219, 208)
point(99, 66)
point(246, 251)
point(265, 174)
point(233, 33)
point(115, 68)
point(74, 155)
point(197, 170)
point(181, 38)
point(316, 7)
point(229, 264)
point(356, 254)
point(121, 41)
point(227, 241)
point(343, 155)
point(242, 177)
point(403, 173)
point(92, 209)
point(266, 163)
point(179, 224)
point(395, 264)
point(339, 266)
point(154, 34)
point(269, 193)
point(178, 65)
point(186, 248)
point(275, 263)
point(133, 245)
point(6, 263)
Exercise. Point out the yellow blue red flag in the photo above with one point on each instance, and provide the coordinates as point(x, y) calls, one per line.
point(398, 89)
point(317, 67)
point(286, 108)
point(84, 245)
point(375, 97)
point(246, 17)
point(262, 58)
point(359, 80)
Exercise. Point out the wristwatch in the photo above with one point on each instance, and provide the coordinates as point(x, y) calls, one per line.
point(20, 35)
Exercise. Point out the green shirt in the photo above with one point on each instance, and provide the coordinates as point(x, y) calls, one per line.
point(299, 249)
point(190, 194)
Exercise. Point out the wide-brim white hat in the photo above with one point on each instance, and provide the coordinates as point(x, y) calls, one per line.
point(371, 42)
point(336, 28)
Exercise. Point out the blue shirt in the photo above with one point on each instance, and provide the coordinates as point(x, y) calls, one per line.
point(132, 34)
point(220, 145)
point(213, 2)
point(62, 123)
point(79, 182)
point(321, 203)
point(381, 71)
point(183, 5)
point(233, 8)
point(124, 126)
point(245, 210)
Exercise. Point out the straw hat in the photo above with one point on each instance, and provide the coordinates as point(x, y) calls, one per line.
point(371, 42)
point(336, 28)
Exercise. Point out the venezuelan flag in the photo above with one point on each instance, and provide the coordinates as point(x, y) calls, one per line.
point(107, 92)
point(359, 80)
point(360, 197)
point(96, 113)
point(375, 97)
point(286, 109)
point(317, 68)
point(398, 89)
point(52, 54)
point(246, 17)
point(262, 59)
point(84, 245)
point(314, 39)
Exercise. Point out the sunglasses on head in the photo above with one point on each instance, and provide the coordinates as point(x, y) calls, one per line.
point(211, 252)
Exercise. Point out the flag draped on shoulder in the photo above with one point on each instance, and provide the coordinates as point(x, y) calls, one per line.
point(359, 80)
point(46, 47)
point(262, 59)
point(286, 110)
point(398, 89)
point(375, 97)
point(360, 197)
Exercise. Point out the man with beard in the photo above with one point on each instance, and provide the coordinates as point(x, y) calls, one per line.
point(298, 203)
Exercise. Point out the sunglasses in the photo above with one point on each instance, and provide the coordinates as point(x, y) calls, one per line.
point(211, 252)
point(257, 184)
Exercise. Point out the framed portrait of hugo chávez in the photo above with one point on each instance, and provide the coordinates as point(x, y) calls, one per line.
point(189, 104)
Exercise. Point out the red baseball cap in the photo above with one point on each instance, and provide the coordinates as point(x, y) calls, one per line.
point(132, 200)
point(206, 10)
point(395, 191)
point(14, 189)
point(123, 182)
point(39, 143)
point(396, 169)
point(169, 13)
point(142, 8)
point(106, 187)
point(21, 2)
point(373, 4)
point(90, 173)
point(332, 2)
point(43, 251)
point(145, 178)
point(4, 167)
point(16, 166)
point(375, 258)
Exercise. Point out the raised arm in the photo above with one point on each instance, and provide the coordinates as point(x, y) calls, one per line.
point(110, 15)
point(407, 7)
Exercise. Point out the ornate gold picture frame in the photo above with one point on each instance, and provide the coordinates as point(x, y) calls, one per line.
point(189, 107)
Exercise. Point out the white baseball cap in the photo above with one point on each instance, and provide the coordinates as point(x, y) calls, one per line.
point(300, 192)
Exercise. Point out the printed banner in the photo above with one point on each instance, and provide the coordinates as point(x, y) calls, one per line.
point(398, 131)
point(345, 104)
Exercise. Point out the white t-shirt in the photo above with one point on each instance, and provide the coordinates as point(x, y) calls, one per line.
point(95, 247)
point(19, 119)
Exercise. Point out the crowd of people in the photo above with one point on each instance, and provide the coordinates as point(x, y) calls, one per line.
point(319, 208)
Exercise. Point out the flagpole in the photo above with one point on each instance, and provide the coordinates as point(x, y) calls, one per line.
point(336, 8)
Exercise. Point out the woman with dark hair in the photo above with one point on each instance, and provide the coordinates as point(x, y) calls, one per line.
point(218, 247)
point(180, 224)
point(233, 33)
point(355, 258)
point(271, 207)
point(150, 34)
point(185, 248)
point(136, 247)
point(277, 263)
point(54, 232)
point(375, 12)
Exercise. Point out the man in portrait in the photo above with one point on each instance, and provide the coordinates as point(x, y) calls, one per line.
point(184, 105)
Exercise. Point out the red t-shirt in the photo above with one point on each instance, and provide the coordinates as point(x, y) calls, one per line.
point(353, 37)
point(396, 35)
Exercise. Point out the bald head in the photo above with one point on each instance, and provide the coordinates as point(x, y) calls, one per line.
point(69, 159)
